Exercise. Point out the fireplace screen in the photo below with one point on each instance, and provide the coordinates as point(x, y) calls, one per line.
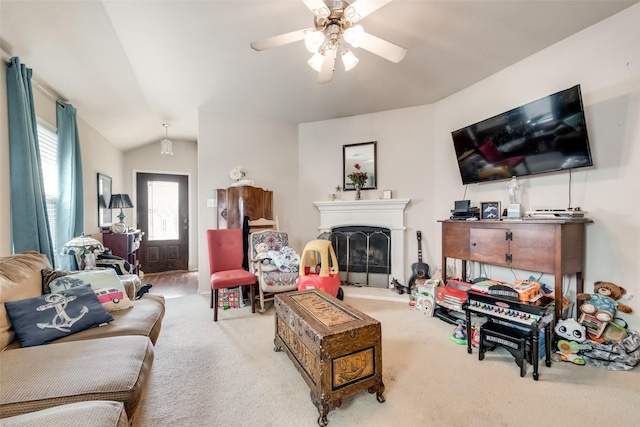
point(364, 250)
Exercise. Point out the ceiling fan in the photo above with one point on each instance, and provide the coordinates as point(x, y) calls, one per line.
point(335, 27)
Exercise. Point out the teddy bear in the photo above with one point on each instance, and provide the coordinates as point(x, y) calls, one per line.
point(603, 303)
point(262, 254)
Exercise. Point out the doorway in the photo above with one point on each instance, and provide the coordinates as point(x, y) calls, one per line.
point(163, 216)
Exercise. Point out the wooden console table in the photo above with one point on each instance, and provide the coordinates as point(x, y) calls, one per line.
point(125, 245)
point(554, 246)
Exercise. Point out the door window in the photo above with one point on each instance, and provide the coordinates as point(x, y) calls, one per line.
point(163, 212)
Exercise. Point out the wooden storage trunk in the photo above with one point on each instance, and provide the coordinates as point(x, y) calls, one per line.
point(336, 348)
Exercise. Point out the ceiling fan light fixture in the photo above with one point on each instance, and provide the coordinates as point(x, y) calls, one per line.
point(353, 35)
point(351, 14)
point(323, 12)
point(166, 146)
point(349, 59)
point(335, 28)
point(313, 40)
point(316, 61)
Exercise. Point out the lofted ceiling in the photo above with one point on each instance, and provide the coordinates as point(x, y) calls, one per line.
point(130, 66)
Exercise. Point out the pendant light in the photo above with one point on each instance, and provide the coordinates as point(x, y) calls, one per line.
point(166, 146)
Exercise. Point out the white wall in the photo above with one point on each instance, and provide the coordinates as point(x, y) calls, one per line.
point(405, 158)
point(147, 159)
point(266, 148)
point(98, 156)
point(416, 158)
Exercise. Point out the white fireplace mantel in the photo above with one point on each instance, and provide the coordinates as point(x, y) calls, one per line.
point(386, 213)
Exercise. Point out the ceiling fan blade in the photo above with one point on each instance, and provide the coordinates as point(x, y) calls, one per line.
point(383, 48)
point(361, 8)
point(326, 73)
point(317, 7)
point(280, 40)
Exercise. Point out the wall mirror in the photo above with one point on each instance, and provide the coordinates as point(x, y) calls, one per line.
point(104, 195)
point(363, 155)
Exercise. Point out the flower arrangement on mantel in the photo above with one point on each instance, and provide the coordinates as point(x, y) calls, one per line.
point(237, 173)
point(358, 179)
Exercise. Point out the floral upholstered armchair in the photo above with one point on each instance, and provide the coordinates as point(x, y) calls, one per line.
point(273, 262)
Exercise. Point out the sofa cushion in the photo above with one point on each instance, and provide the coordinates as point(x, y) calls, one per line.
point(144, 319)
point(42, 319)
point(115, 368)
point(49, 275)
point(98, 413)
point(19, 279)
point(96, 278)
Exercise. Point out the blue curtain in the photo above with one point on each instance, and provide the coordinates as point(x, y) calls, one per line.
point(29, 222)
point(70, 203)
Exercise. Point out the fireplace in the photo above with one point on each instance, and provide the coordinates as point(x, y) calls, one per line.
point(376, 215)
point(363, 254)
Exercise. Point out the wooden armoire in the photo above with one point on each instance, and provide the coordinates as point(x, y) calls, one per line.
point(236, 202)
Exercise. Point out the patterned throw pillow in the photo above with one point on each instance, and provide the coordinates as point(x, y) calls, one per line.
point(49, 276)
point(112, 299)
point(120, 265)
point(48, 317)
point(96, 278)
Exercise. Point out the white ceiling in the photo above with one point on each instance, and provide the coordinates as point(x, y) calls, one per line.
point(129, 66)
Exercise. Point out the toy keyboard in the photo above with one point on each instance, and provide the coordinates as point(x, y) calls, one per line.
point(512, 311)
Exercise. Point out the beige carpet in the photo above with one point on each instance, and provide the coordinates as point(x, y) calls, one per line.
point(227, 374)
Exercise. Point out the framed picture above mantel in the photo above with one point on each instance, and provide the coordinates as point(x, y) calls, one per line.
point(359, 159)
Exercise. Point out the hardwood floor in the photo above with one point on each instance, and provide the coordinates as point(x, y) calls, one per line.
point(173, 284)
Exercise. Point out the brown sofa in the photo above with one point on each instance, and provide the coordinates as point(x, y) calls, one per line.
point(106, 363)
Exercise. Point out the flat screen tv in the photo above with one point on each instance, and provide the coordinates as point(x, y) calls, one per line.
point(546, 135)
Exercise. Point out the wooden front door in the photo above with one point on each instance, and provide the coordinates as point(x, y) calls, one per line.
point(163, 216)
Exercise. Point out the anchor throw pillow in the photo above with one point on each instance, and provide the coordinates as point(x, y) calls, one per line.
point(43, 319)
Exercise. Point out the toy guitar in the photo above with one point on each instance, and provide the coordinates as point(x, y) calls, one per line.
point(420, 269)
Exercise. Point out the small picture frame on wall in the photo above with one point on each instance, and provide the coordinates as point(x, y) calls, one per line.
point(490, 211)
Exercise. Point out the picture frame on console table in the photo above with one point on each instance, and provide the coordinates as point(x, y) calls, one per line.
point(490, 211)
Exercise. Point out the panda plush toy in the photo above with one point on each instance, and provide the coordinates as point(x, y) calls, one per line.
point(572, 334)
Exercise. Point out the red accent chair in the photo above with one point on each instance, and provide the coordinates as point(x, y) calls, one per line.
point(225, 265)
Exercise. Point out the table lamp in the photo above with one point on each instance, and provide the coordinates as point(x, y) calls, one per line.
point(121, 201)
point(81, 246)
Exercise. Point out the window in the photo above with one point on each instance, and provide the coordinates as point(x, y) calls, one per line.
point(48, 145)
point(164, 219)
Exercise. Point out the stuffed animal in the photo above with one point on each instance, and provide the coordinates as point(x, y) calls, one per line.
point(603, 303)
point(571, 330)
point(573, 334)
point(262, 254)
